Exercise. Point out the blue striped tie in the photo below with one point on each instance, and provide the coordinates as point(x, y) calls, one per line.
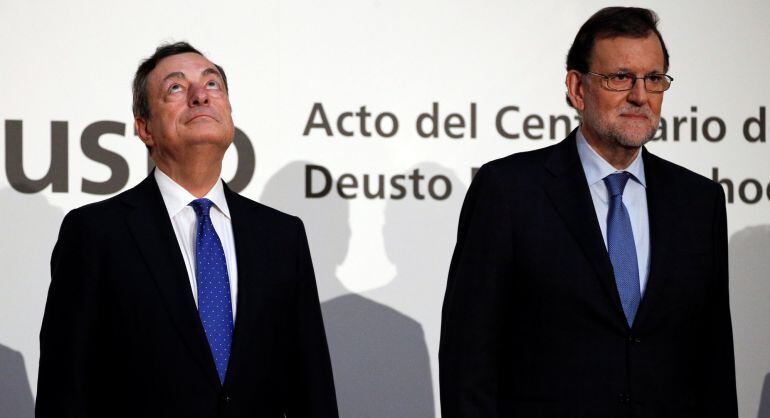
point(621, 247)
point(214, 303)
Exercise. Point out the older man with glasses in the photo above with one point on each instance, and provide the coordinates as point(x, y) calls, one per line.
point(590, 277)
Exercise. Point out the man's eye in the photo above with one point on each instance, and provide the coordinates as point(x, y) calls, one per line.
point(175, 88)
point(654, 78)
point(212, 85)
point(621, 76)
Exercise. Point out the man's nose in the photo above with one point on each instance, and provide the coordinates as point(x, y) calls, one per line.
point(638, 93)
point(199, 96)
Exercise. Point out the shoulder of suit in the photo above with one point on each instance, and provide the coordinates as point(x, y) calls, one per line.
point(523, 160)
point(102, 209)
point(96, 220)
point(680, 177)
point(521, 168)
point(264, 212)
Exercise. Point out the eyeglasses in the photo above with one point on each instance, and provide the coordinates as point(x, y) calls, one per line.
point(653, 83)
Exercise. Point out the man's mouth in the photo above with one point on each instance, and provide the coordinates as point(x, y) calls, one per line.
point(634, 116)
point(199, 117)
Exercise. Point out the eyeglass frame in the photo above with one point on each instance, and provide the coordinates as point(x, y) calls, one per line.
point(607, 77)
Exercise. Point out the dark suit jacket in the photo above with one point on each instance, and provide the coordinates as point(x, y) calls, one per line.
point(532, 323)
point(121, 334)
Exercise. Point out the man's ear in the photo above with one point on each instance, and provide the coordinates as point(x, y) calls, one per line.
point(142, 129)
point(575, 89)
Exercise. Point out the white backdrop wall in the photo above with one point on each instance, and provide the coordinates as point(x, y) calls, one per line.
point(381, 262)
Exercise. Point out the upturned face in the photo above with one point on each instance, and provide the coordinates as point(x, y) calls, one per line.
point(189, 109)
point(626, 118)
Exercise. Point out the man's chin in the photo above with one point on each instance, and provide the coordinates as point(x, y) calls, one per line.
point(632, 143)
point(213, 140)
point(634, 136)
point(208, 134)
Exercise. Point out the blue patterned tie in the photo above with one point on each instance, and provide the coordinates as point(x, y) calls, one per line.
point(621, 247)
point(214, 304)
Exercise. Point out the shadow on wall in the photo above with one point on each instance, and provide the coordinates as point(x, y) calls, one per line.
point(27, 236)
point(15, 394)
point(750, 293)
point(764, 401)
point(420, 236)
point(379, 356)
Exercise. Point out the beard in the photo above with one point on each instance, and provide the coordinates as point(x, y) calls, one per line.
point(631, 134)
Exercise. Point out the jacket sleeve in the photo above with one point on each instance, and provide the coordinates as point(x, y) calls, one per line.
point(469, 353)
point(719, 370)
point(310, 378)
point(67, 343)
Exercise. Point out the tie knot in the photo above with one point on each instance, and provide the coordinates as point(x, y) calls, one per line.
point(201, 206)
point(616, 182)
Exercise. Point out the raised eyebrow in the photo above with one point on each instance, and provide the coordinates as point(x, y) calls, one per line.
point(624, 70)
point(175, 74)
point(211, 70)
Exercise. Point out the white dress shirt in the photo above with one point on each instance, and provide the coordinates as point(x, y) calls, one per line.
point(596, 168)
point(184, 221)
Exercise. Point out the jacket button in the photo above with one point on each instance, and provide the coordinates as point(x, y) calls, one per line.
point(624, 399)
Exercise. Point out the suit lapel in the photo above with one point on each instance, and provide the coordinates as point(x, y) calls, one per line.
point(252, 259)
point(569, 193)
point(660, 202)
point(154, 235)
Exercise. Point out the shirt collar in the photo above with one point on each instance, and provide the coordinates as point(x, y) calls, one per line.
point(596, 168)
point(177, 197)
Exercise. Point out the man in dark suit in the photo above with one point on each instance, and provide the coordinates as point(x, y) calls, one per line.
point(179, 297)
point(590, 277)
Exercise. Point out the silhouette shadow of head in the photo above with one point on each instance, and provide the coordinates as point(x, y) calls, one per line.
point(325, 219)
point(419, 237)
point(380, 361)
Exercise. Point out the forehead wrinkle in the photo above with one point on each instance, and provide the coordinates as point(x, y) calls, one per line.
point(625, 53)
point(624, 69)
point(175, 74)
point(627, 70)
point(211, 70)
